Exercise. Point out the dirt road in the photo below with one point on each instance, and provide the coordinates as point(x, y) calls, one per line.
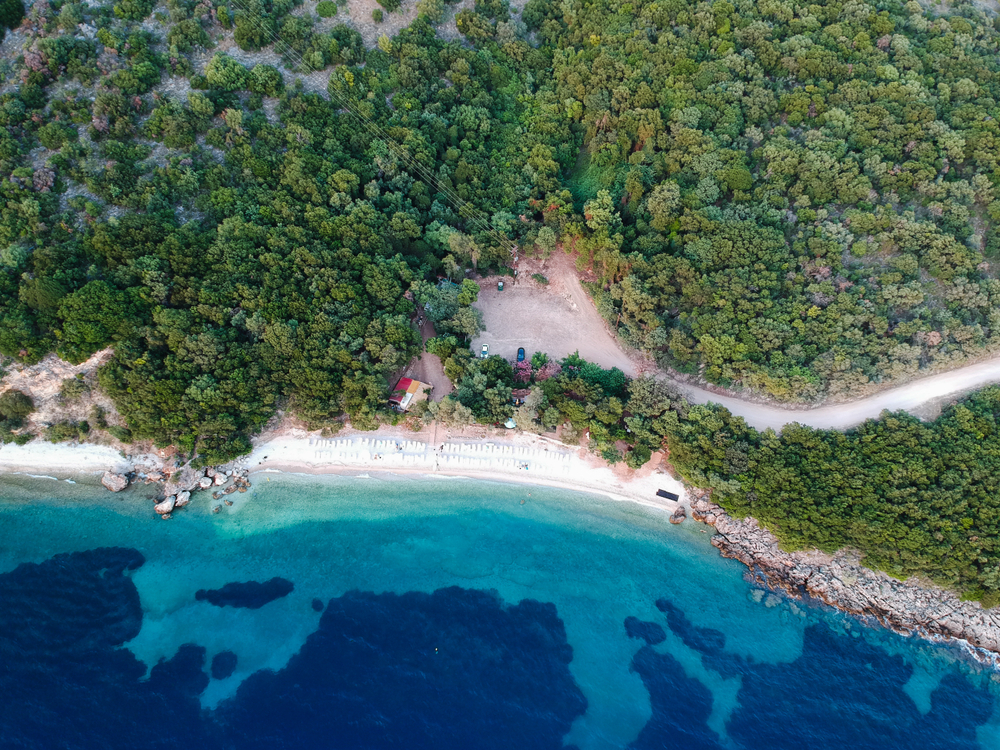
point(560, 318)
point(909, 397)
point(427, 367)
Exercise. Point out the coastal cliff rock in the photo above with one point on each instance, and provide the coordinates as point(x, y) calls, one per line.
point(841, 581)
point(114, 482)
point(184, 479)
point(166, 506)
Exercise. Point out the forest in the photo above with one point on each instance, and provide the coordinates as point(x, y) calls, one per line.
point(915, 498)
point(797, 200)
point(792, 199)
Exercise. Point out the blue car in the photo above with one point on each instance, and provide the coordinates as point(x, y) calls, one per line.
point(520, 354)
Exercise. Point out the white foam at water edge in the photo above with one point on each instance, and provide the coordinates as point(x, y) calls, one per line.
point(69, 481)
point(271, 471)
point(42, 476)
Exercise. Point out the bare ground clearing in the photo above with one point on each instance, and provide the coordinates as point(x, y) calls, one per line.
point(43, 381)
point(558, 319)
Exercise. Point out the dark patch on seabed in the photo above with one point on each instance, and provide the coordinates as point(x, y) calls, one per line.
point(64, 683)
point(223, 665)
point(457, 668)
point(842, 692)
point(248, 595)
point(650, 632)
point(454, 669)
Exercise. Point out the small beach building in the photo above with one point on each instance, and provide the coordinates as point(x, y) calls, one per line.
point(408, 392)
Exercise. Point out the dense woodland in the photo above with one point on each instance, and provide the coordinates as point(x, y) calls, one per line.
point(792, 198)
point(799, 199)
point(915, 498)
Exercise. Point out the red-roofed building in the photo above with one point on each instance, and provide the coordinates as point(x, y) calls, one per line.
point(408, 392)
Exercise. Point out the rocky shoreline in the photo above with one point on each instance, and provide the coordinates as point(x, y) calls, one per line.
point(179, 482)
point(907, 607)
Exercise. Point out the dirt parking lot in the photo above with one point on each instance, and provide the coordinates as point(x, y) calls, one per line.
point(557, 319)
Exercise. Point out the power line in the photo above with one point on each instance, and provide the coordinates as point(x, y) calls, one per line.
point(464, 209)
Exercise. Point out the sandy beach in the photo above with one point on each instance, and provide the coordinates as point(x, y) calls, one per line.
point(63, 459)
point(527, 459)
point(509, 457)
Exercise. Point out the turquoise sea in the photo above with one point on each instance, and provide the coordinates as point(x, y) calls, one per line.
point(420, 612)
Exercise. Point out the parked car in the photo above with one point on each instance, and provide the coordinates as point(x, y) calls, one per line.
point(485, 352)
point(520, 354)
point(499, 286)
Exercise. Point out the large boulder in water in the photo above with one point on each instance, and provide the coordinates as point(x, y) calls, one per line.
point(185, 478)
point(114, 482)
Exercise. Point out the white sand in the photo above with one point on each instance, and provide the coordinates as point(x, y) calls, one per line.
point(521, 458)
point(40, 456)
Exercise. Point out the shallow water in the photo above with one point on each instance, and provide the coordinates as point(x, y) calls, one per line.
point(433, 613)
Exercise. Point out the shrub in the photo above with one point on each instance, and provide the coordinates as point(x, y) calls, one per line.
point(186, 35)
point(540, 279)
point(54, 135)
point(72, 389)
point(326, 9)
point(61, 432)
point(638, 456)
point(252, 31)
point(390, 5)
point(11, 13)
point(223, 72)
point(266, 80)
point(99, 417)
point(15, 404)
point(377, 15)
point(432, 9)
point(133, 10)
point(122, 434)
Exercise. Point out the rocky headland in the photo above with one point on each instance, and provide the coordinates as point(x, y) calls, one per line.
point(841, 581)
point(179, 482)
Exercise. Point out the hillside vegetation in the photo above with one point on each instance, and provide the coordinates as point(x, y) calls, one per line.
point(793, 198)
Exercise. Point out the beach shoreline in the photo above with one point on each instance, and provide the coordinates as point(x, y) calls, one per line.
point(483, 455)
point(515, 458)
point(545, 463)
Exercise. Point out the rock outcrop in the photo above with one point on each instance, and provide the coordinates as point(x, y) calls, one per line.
point(184, 479)
point(678, 515)
point(114, 482)
point(166, 506)
point(841, 581)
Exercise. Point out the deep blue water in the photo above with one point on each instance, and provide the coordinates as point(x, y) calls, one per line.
point(341, 613)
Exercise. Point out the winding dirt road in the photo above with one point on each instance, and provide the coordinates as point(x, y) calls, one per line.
point(561, 318)
point(908, 397)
